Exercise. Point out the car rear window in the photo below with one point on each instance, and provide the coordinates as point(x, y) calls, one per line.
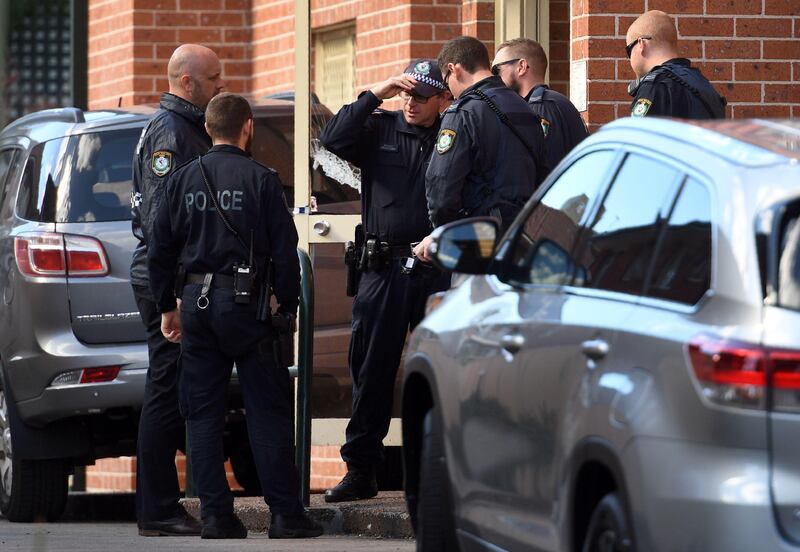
point(85, 178)
point(789, 265)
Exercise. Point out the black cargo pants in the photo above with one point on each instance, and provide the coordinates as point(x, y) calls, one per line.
point(161, 427)
point(213, 339)
point(388, 304)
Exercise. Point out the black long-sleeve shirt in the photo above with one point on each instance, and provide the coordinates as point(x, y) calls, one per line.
point(393, 156)
point(187, 227)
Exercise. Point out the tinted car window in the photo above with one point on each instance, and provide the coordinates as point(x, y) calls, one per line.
point(789, 265)
point(84, 178)
point(682, 269)
point(6, 157)
point(541, 253)
point(617, 247)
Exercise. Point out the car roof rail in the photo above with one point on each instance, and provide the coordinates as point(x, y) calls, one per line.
point(57, 115)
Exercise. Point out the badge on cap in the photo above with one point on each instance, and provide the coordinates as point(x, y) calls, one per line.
point(641, 107)
point(423, 68)
point(161, 162)
point(545, 126)
point(445, 140)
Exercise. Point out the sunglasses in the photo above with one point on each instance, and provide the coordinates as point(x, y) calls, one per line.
point(406, 96)
point(629, 47)
point(496, 67)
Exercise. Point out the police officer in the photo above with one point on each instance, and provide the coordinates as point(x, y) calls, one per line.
point(522, 64)
point(392, 148)
point(224, 217)
point(174, 135)
point(489, 155)
point(666, 84)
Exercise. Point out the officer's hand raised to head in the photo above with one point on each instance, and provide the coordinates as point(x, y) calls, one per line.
point(393, 86)
point(171, 326)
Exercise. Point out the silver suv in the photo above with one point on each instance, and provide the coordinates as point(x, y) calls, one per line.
point(622, 370)
point(73, 357)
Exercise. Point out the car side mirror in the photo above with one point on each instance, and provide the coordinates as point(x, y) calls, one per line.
point(465, 246)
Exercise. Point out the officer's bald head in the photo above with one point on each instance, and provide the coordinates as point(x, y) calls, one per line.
point(657, 41)
point(195, 74)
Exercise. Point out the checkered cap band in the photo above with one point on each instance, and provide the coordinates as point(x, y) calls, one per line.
point(427, 80)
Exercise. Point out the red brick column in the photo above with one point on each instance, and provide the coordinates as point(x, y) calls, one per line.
point(130, 42)
point(748, 49)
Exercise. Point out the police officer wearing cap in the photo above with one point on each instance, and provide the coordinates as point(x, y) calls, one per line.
point(392, 148)
point(489, 155)
point(666, 85)
point(522, 64)
point(174, 135)
point(224, 217)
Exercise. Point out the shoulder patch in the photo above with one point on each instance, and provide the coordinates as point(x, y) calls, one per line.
point(545, 126)
point(161, 163)
point(641, 107)
point(445, 140)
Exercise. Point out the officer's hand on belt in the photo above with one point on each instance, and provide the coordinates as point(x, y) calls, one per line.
point(393, 86)
point(171, 325)
point(422, 250)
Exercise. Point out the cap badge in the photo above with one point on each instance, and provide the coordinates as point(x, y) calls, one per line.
point(423, 68)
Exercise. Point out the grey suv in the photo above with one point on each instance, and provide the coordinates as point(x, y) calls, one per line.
point(73, 357)
point(622, 370)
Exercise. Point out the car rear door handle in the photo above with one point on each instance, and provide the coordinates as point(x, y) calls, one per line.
point(512, 343)
point(595, 349)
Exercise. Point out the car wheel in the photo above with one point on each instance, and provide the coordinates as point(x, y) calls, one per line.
point(608, 530)
point(435, 524)
point(30, 490)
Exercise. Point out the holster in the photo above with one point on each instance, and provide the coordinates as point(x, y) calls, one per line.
point(283, 340)
point(352, 259)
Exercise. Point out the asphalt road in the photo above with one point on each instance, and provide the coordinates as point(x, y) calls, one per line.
point(113, 537)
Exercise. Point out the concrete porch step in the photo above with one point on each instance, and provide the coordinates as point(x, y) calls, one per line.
point(384, 516)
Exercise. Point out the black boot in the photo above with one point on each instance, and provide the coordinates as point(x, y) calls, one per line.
point(227, 526)
point(293, 527)
point(358, 483)
point(182, 525)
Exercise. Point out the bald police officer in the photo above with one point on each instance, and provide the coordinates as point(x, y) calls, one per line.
point(174, 135)
point(522, 64)
point(224, 217)
point(666, 84)
point(489, 155)
point(393, 149)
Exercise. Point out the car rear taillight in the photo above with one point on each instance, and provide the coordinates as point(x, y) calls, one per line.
point(54, 254)
point(100, 374)
point(740, 374)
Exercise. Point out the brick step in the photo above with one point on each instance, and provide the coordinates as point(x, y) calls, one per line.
point(384, 516)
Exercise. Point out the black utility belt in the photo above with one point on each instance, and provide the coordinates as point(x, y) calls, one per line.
point(224, 281)
point(375, 254)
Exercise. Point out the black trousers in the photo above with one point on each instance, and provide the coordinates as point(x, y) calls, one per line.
point(161, 426)
point(387, 306)
point(213, 339)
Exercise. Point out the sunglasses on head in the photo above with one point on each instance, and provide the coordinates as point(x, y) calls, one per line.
point(629, 47)
point(496, 67)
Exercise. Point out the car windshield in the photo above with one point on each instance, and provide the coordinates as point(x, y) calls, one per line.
point(85, 178)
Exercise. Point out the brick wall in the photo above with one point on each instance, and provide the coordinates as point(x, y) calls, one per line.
point(119, 474)
point(558, 61)
point(748, 49)
point(130, 42)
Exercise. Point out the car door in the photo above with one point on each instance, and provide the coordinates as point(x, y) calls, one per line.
point(500, 435)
